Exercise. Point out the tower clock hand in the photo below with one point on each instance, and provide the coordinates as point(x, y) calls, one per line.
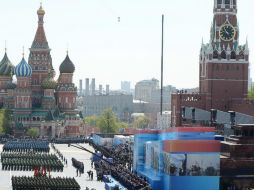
point(226, 31)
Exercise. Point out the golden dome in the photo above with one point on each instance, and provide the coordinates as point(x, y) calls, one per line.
point(41, 11)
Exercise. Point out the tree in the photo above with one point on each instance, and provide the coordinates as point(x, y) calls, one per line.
point(32, 132)
point(5, 125)
point(251, 93)
point(91, 120)
point(107, 122)
point(122, 125)
point(141, 122)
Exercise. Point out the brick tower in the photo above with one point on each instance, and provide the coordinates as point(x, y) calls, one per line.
point(40, 60)
point(223, 68)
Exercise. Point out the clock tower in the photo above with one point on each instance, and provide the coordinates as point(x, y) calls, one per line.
point(223, 63)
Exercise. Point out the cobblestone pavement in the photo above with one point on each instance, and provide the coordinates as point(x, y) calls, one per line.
point(69, 170)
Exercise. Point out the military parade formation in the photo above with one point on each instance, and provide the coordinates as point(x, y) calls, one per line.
point(33, 155)
point(27, 161)
point(26, 146)
point(44, 183)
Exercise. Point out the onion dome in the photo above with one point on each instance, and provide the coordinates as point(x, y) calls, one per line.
point(49, 82)
point(41, 11)
point(67, 66)
point(23, 69)
point(6, 67)
point(10, 85)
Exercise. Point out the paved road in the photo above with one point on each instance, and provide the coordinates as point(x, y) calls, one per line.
point(69, 171)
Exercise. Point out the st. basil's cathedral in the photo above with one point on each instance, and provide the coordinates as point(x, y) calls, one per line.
point(37, 100)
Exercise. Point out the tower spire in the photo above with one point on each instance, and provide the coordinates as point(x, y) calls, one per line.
point(5, 46)
point(23, 51)
point(67, 49)
point(40, 40)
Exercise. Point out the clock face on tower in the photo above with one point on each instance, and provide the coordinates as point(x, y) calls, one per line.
point(227, 32)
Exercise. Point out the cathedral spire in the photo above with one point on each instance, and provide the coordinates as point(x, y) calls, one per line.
point(40, 40)
point(246, 49)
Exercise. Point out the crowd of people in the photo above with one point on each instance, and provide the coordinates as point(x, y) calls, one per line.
point(127, 178)
point(120, 168)
point(44, 183)
point(121, 153)
point(26, 146)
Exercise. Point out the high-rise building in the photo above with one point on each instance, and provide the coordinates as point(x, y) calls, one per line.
point(93, 86)
point(144, 89)
point(80, 87)
point(126, 86)
point(87, 87)
point(100, 89)
point(107, 89)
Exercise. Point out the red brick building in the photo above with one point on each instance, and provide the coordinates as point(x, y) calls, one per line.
point(223, 68)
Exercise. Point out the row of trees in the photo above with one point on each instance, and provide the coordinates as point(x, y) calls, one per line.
point(5, 126)
point(108, 122)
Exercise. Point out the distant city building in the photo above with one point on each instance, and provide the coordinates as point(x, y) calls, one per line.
point(80, 87)
point(145, 88)
point(100, 89)
point(148, 98)
point(126, 86)
point(121, 105)
point(156, 97)
point(93, 86)
point(164, 120)
point(107, 89)
point(87, 91)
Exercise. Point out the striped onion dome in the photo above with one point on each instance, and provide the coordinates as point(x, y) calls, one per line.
point(6, 67)
point(23, 69)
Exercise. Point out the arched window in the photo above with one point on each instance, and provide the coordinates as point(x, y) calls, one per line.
point(241, 55)
point(227, 2)
point(215, 54)
point(233, 55)
point(223, 55)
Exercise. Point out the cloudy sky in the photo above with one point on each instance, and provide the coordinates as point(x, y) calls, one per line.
point(112, 51)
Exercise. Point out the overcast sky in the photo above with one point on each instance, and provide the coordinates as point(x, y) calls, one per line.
point(112, 51)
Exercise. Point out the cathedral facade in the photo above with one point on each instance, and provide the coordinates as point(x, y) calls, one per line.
point(36, 100)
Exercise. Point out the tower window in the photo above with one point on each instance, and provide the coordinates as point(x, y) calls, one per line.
point(241, 55)
point(223, 55)
point(234, 2)
point(227, 2)
point(219, 2)
point(215, 55)
point(233, 55)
